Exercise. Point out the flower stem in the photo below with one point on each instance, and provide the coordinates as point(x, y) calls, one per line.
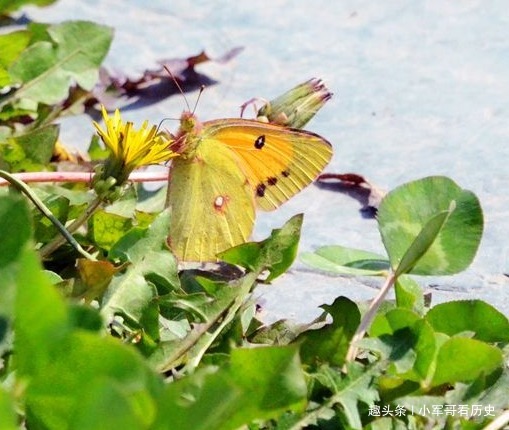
point(21, 186)
point(368, 317)
point(50, 247)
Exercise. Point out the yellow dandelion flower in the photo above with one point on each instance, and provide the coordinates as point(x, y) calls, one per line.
point(130, 148)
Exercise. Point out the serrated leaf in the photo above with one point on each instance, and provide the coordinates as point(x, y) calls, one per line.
point(81, 60)
point(48, 68)
point(146, 248)
point(357, 386)
point(404, 213)
point(134, 245)
point(275, 254)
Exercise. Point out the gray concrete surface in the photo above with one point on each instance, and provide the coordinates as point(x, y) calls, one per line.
point(421, 88)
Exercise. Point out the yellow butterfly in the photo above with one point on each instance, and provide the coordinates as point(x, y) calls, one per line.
point(227, 168)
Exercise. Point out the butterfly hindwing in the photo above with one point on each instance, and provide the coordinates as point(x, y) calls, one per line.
point(211, 202)
point(277, 161)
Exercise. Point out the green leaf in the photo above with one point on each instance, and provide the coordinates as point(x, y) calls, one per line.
point(491, 392)
point(108, 228)
point(406, 341)
point(73, 53)
point(38, 68)
point(330, 343)
point(425, 348)
point(461, 360)
point(134, 245)
point(409, 294)
point(39, 143)
point(277, 370)
point(45, 230)
point(487, 323)
point(7, 6)
point(85, 317)
point(108, 406)
point(146, 248)
point(37, 331)
point(11, 45)
point(259, 384)
point(90, 39)
point(133, 293)
point(393, 320)
point(422, 242)
point(357, 386)
point(113, 385)
point(15, 231)
point(15, 225)
point(275, 254)
point(128, 294)
point(64, 364)
point(411, 214)
point(346, 261)
point(7, 415)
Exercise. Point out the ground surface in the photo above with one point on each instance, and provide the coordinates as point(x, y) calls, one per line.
point(421, 88)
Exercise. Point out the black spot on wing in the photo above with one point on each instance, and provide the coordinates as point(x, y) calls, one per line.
point(260, 142)
point(285, 173)
point(272, 181)
point(260, 190)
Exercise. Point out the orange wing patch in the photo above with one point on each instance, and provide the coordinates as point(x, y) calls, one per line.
point(278, 161)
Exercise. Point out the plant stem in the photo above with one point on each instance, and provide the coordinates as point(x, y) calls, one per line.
point(77, 223)
point(368, 317)
point(86, 177)
point(21, 186)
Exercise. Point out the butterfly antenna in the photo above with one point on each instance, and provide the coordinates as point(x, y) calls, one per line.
point(178, 86)
point(198, 98)
point(159, 126)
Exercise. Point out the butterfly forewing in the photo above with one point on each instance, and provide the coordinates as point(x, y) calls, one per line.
point(277, 161)
point(211, 203)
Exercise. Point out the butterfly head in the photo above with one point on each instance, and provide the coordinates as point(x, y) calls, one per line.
point(189, 124)
point(187, 138)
